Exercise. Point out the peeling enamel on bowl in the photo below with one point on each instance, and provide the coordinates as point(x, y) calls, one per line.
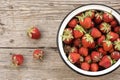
point(62, 27)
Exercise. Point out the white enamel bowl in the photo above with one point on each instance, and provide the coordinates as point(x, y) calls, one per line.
point(62, 27)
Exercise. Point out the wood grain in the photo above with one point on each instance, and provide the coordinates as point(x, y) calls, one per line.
point(16, 16)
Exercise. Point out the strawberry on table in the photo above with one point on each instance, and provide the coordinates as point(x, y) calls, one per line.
point(96, 56)
point(95, 33)
point(17, 59)
point(98, 18)
point(106, 61)
point(85, 66)
point(88, 59)
point(112, 36)
point(34, 33)
point(115, 55)
point(94, 67)
point(73, 57)
point(87, 40)
point(38, 54)
point(72, 23)
point(105, 27)
point(67, 36)
point(117, 44)
point(107, 17)
point(83, 51)
point(78, 31)
point(90, 13)
point(107, 45)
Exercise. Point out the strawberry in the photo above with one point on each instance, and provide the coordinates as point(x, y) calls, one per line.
point(95, 33)
point(38, 54)
point(17, 59)
point(115, 55)
point(88, 59)
point(87, 40)
point(107, 45)
point(83, 51)
point(98, 18)
point(107, 17)
point(73, 50)
point(78, 31)
point(77, 42)
point(90, 13)
point(105, 27)
point(96, 56)
point(113, 23)
point(94, 67)
point(106, 61)
point(67, 49)
point(92, 46)
point(72, 23)
point(34, 33)
point(84, 21)
point(117, 44)
point(100, 40)
point(85, 66)
point(117, 29)
point(67, 36)
point(102, 51)
point(92, 24)
point(112, 36)
point(73, 57)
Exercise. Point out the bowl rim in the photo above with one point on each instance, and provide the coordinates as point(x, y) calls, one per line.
point(69, 16)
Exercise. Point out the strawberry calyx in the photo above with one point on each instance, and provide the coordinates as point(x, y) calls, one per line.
point(81, 18)
point(79, 28)
point(67, 34)
point(88, 38)
point(108, 42)
point(99, 15)
point(89, 13)
point(106, 27)
point(109, 36)
point(117, 44)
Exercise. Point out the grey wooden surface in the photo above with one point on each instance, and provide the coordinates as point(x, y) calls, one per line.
point(16, 16)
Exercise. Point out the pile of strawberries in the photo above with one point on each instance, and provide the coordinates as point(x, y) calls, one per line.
point(92, 40)
point(18, 59)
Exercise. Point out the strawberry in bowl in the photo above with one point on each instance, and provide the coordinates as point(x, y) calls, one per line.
point(94, 32)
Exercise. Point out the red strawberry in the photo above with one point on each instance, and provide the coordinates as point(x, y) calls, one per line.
point(117, 29)
point(85, 22)
point(107, 45)
point(87, 40)
point(34, 33)
point(110, 51)
point(78, 31)
point(92, 24)
point(90, 13)
point(17, 59)
point(113, 23)
point(73, 57)
point(72, 23)
point(117, 44)
point(105, 27)
point(38, 54)
point(88, 59)
point(94, 67)
point(95, 33)
point(107, 17)
point(112, 36)
point(85, 66)
point(83, 51)
point(73, 50)
point(106, 61)
point(100, 40)
point(98, 18)
point(102, 51)
point(92, 46)
point(115, 55)
point(96, 56)
point(77, 42)
point(67, 36)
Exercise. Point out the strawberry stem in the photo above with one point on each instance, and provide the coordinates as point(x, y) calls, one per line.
point(80, 28)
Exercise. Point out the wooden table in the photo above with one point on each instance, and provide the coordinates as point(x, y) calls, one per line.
point(16, 16)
